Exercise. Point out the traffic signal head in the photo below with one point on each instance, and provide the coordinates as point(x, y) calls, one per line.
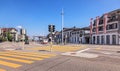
point(51, 28)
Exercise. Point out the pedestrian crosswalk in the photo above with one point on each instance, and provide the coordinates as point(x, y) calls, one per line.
point(2, 70)
point(13, 59)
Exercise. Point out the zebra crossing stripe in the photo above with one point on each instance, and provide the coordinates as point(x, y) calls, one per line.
point(15, 59)
point(18, 56)
point(27, 54)
point(2, 70)
point(9, 64)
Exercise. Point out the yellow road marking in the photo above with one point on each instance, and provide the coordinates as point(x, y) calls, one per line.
point(9, 64)
point(32, 58)
point(2, 70)
point(30, 55)
point(15, 59)
point(98, 48)
point(59, 48)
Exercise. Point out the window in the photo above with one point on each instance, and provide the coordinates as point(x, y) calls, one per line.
point(98, 40)
point(94, 24)
point(80, 35)
point(94, 29)
point(93, 39)
point(107, 27)
point(100, 28)
point(108, 39)
point(100, 22)
point(70, 33)
point(111, 26)
point(115, 25)
point(113, 39)
point(102, 39)
point(113, 18)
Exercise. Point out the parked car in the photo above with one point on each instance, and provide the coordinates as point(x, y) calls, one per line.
point(45, 41)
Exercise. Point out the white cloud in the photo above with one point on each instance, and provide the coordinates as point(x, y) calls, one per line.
point(19, 27)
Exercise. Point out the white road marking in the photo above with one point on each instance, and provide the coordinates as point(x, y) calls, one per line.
point(106, 53)
point(80, 54)
point(82, 50)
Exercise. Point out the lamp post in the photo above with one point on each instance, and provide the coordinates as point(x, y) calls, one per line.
point(62, 14)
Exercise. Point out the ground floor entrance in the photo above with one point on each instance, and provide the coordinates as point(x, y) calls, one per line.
point(113, 39)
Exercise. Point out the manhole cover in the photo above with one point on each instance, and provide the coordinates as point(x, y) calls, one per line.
point(118, 51)
point(18, 49)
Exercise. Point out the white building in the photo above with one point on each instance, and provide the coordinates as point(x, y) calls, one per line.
point(22, 34)
point(0, 31)
point(106, 29)
point(77, 35)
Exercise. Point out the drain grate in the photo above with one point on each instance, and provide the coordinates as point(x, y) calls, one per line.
point(43, 50)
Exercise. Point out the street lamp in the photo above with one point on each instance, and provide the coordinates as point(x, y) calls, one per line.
point(62, 14)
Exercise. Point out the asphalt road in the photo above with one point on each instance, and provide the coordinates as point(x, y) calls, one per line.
point(108, 60)
point(68, 63)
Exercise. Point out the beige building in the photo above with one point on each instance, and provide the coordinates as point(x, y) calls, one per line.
point(12, 31)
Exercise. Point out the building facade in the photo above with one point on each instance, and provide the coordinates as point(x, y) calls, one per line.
point(74, 35)
point(12, 31)
point(22, 35)
point(106, 29)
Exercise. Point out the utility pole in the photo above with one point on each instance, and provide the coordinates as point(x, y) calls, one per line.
point(62, 23)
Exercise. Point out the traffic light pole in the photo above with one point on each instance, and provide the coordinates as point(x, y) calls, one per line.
point(51, 30)
point(51, 43)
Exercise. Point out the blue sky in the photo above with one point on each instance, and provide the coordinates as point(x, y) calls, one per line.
point(36, 15)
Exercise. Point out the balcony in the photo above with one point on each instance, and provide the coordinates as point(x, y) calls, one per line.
point(112, 19)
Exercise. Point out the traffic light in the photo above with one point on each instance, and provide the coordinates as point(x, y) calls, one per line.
point(51, 28)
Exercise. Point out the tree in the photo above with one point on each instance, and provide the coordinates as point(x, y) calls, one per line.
point(9, 36)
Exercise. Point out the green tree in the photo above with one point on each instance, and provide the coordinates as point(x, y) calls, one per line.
point(9, 36)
